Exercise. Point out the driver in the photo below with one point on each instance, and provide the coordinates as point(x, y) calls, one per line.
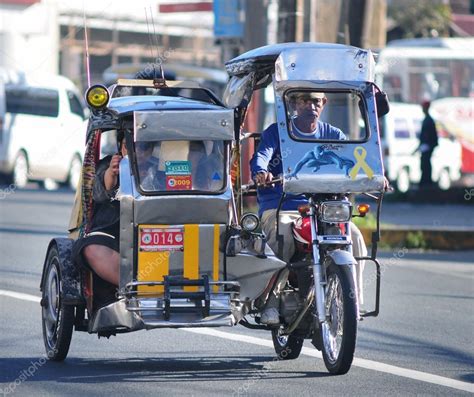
point(267, 163)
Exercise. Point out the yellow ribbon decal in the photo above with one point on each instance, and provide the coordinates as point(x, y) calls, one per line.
point(360, 154)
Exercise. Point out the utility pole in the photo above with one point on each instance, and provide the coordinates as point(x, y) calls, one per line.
point(287, 21)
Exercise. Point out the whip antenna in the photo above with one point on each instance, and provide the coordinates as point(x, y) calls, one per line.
point(86, 43)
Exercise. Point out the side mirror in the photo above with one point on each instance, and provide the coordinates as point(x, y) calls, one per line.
point(381, 101)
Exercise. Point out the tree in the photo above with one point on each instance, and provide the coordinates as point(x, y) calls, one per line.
point(421, 18)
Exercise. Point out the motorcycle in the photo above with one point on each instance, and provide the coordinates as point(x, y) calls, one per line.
point(189, 255)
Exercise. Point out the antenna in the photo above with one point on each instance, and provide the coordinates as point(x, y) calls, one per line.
point(158, 80)
point(88, 71)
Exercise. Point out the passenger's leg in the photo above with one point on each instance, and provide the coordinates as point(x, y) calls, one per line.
point(359, 249)
point(104, 261)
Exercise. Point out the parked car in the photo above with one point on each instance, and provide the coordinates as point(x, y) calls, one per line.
point(400, 130)
point(42, 130)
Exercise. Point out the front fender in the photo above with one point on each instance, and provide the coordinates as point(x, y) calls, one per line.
point(70, 274)
point(341, 257)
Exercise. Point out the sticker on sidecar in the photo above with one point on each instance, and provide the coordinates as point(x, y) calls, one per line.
point(177, 168)
point(161, 239)
point(179, 182)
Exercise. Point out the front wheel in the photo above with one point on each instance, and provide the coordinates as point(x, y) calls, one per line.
point(57, 318)
point(339, 331)
point(287, 347)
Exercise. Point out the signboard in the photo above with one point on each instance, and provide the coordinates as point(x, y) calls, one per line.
point(229, 18)
point(185, 7)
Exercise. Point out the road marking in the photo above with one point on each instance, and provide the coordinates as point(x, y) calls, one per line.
point(358, 362)
point(19, 295)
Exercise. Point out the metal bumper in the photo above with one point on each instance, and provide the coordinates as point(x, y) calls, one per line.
point(134, 314)
point(172, 308)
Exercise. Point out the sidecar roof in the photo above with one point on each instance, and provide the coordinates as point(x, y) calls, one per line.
point(127, 105)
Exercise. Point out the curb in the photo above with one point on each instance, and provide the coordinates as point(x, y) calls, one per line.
point(415, 237)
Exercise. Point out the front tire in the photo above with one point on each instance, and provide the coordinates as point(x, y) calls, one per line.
point(287, 347)
point(57, 318)
point(339, 331)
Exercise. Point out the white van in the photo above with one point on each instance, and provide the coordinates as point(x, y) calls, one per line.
point(42, 126)
point(400, 130)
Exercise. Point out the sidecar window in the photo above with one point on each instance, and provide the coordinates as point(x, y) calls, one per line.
point(329, 116)
point(169, 166)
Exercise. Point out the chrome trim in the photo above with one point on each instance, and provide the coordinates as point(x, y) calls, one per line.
point(318, 278)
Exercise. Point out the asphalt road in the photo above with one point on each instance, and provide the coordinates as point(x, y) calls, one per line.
point(421, 344)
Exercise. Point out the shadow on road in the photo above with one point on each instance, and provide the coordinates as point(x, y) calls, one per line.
point(163, 369)
point(400, 346)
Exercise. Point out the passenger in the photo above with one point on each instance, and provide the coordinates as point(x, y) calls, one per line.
point(148, 166)
point(99, 248)
point(267, 163)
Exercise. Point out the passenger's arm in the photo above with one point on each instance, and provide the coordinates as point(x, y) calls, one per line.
point(100, 192)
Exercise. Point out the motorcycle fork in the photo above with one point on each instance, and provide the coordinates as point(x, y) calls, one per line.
point(318, 276)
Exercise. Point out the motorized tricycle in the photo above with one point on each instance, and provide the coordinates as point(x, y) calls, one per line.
point(189, 256)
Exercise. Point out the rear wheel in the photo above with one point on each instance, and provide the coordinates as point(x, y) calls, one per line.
point(287, 347)
point(20, 170)
point(339, 331)
point(403, 181)
point(57, 318)
point(75, 170)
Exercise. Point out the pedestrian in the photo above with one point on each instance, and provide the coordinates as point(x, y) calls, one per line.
point(428, 142)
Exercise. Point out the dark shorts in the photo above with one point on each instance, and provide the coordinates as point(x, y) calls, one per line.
point(108, 237)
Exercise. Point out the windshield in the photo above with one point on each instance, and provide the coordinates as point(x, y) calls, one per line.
point(167, 166)
point(325, 116)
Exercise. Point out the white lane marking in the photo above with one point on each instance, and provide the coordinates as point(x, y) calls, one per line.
point(358, 362)
point(19, 295)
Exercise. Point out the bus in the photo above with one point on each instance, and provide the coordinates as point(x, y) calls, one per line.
point(434, 69)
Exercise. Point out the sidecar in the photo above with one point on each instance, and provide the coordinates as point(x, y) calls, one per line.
point(186, 259)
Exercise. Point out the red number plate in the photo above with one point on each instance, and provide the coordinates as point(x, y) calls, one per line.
point(161, 239)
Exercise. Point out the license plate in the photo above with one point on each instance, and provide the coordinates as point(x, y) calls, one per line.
point(161, 239)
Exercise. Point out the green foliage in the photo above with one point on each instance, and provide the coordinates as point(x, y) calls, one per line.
point(421, 18)
point(367, 222)
point(415, 240)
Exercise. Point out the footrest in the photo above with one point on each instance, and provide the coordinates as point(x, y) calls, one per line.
point(199, 296)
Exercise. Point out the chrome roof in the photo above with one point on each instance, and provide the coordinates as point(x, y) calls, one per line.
point(268, 55)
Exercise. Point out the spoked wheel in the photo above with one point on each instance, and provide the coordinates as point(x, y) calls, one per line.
point(339, 331)
point(287, 347)
point(57, 319)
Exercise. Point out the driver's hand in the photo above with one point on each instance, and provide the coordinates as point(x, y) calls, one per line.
point(263, 177)
point(114, 165)
point(386, 185)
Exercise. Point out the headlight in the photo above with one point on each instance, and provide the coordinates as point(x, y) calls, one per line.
point(97, 96)
point(336, 211)
point(249, 222)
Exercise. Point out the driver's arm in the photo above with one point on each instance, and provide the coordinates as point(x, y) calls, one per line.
point(262, 157)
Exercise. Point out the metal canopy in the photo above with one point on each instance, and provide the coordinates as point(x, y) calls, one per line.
point(267, 55)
